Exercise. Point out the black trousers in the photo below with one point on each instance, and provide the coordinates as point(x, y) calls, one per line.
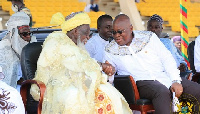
point(161, 96)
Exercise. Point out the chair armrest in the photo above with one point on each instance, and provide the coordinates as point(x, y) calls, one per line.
point(137, 96)
point(26, 85)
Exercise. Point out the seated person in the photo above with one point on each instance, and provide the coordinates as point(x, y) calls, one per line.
point(74, 82)
point(91, 7)
point(155, 25)
point(177, 42)
point(197, 54)
point(96, 45)
point(142, 55)
point(11, 46)
point(10, 99)
point(19, 6)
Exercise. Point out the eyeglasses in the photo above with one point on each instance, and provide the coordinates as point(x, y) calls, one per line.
point(25, 34)
point(118, 31)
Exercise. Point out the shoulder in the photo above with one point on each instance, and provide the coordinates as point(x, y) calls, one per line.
point(165, 40)
point(144, 36)
point(57, 37)
point(141, 34)
point(112, 45)
point(114, 49)
point(93, 40)
point(197, 39)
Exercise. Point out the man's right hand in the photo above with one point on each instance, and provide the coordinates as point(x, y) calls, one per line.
point(108, 68)
point(177, 88)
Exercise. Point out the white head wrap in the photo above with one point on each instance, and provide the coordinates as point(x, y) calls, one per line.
point(17, 19)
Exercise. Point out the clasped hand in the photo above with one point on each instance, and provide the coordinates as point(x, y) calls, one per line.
point(108, 68)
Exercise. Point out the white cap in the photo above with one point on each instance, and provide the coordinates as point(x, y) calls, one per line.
point(0, 69)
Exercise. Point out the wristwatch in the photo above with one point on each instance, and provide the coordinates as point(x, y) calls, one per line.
point(176, 81)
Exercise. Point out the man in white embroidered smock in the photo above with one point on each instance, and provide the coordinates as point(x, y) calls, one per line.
point(11, 46)
point(142, 55)
point(74, 82)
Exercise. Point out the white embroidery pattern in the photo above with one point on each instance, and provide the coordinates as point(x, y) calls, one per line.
point(138, 43)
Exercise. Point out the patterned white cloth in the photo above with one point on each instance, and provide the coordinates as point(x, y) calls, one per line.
point(145, 59)
point(197, 54)
point(95, 46)
point(10, 100)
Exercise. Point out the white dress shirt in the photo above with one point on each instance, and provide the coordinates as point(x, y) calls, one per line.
point(145, 59)
point(11, 100)
point(197, 54)
point(95, 46)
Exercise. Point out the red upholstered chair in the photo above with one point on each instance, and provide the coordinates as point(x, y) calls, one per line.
point(26, 86)
point(127, 87)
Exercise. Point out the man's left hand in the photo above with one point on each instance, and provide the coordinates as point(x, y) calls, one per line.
point(177, 88)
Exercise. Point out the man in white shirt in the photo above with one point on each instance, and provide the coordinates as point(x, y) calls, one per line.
point(197, 54)
point(142, 55)
point(96, 45)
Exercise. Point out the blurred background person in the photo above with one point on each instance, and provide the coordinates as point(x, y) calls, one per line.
point(92, 7)
point(18, 5)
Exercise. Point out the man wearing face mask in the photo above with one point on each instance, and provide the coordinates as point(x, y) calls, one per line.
point(19, 6)
point(11, 46)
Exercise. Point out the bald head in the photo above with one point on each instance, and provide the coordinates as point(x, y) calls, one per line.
point(122, 18)
point(122, 30)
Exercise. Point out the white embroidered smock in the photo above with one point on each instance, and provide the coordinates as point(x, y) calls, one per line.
point(145, 59)
point(10, 100)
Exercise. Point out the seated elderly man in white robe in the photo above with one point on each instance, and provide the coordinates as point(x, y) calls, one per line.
point(11, 46)
point(142, 55)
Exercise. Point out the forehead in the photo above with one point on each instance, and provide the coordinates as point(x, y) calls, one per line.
point(24, 28)
point(121, 24)
point(106, 21)
point(85, 28)
point(154, 22)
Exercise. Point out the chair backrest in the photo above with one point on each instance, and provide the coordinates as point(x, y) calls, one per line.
point(29, 56)
point(190, 52)
point(127, 87)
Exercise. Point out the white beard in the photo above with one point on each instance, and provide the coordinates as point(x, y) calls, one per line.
point(80, 44)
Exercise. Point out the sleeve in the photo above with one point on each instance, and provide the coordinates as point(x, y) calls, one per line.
point(172, 49)
point(108, 57)
point(91, 48)
point(197, 54)
point(166, 58)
